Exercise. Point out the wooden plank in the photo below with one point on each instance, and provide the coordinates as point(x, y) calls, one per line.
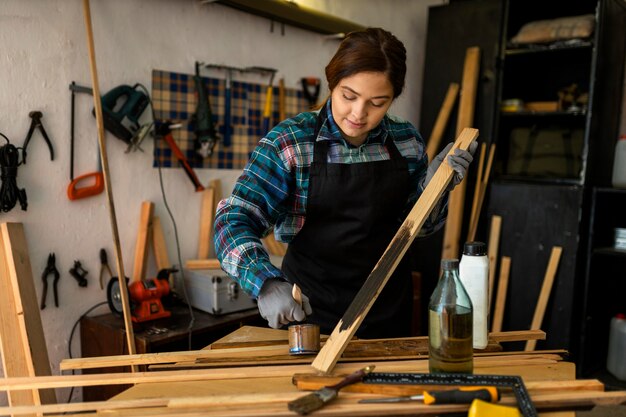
point(477, 187)
point(273, 246)
point(349, 323)
point(207, 216)
point(143, 237)
point(434, 140)
point(454, 223)
point(480, 196)
point(22, 341)
point(203, 264)
point(492, 251)
point(544, 294)
point(503, 283)
point(158, 245)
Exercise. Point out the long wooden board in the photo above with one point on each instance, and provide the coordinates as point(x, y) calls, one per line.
point(143, 238)
point(352, 318)
point(24, 351)
point(442, 120)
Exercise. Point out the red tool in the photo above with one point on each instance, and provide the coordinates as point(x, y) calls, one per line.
point(77, 189)
point(164, 130)
point(147, 296)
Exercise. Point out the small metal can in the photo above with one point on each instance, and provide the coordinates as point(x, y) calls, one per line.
point(304, 339)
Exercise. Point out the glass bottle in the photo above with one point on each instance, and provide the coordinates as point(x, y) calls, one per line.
point(450, 323)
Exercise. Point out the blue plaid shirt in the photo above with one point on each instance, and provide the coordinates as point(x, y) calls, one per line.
point(271, 193)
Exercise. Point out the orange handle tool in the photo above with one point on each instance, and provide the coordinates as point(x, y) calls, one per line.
point(74, 191)
point(183, 161)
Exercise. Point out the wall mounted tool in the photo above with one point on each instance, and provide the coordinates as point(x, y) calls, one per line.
point(76, 189)
point(311, 89)
point(36, 124)
point(9, 192)
point(50, 269)
point(121, 109)
point(206, 136)
point(164, 130)
point(104, 267)
point(79, 273)
point(267, 109)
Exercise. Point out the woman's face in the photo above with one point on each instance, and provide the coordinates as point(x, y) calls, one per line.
point(359, 103)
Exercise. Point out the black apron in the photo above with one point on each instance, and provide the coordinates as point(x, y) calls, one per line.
point(352, 214)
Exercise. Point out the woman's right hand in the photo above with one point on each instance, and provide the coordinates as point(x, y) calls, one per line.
point(277, 305)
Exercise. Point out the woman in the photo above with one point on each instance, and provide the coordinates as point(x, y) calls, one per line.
point(336, 185)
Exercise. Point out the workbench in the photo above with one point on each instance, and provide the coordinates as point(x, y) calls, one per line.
point(265, 390)
point(104, 335)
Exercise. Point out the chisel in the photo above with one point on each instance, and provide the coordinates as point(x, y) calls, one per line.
point(464, 395)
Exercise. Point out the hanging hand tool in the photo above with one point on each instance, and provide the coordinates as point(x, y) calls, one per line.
point(50, 269)
point(311, 89)
point(463, 395)
point(206, 136)
point(35, 123)
point(79, 273)
point(74, 191)
point(267, 109)
point(104, 266)
point(121, 109)
point(228, 128)
point(164, 130)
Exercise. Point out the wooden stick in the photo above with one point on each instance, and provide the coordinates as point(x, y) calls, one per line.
point(104, 162)
point(544, 295)
point(452, 232)
point(503, 283)
point(482, 192)
point(281, 100)
point(477, 187)
point(143, 237)
point(159, 246)
point(442, 120)
point(203, 264)
point(207, 215)
point(349, 323)
point(22, 341)
point(492, 251)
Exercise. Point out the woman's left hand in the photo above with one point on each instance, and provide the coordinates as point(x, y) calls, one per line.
point(459, 161)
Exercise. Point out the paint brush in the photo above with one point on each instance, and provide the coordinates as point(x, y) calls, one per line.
point(319, 398)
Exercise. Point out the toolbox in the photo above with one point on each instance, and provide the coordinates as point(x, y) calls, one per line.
point(213, 291)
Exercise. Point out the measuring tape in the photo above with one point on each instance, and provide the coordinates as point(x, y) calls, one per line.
point(524, 402)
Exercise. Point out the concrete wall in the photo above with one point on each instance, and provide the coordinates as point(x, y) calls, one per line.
point(43, 49)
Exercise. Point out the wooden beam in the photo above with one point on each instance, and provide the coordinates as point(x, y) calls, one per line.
point(432, 146)
point(203, 264)
point(143, 237)
point(159, 246)
point(479, 195)
point(351, 320)
point(23, 344)
point(454, 223)
point(544, 294)
point(207, 216)
point(492, 251)
point(503, 283)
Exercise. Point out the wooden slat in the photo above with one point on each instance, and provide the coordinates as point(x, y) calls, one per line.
point(442, 120)
point(207, 216)
point(454, 222)
point(158, 245)
point(503, 283)
point(351, 320)
point(492, 251)
point(143, 237)
point(477, 187)
point(24, 351)
point(203, 264)
point(544, 294)
point(273, 246)
point(479, 196)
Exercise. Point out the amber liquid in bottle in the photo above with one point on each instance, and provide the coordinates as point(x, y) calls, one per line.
point(450, 322)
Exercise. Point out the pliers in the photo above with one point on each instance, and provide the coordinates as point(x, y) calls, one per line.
point(50, 269)
point(104, 266)
point(36, 123)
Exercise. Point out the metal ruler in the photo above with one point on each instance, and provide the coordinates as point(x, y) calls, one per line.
point(515, 383)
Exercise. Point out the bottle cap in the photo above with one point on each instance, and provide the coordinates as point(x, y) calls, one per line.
point(620, 316)
point(449, 264)
point(474, 248)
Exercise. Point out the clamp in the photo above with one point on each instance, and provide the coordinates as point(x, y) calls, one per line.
point(50, 269)
point(36, 123)
point(79, 273)
point(104, 266)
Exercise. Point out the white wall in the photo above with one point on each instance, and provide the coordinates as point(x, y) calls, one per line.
point(43, 48)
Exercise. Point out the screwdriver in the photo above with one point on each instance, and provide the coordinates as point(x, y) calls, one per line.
point(463, 395)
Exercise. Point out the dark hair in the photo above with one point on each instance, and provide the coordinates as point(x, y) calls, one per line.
point(369, 50)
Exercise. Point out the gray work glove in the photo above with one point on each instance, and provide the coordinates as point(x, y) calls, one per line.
point(459, 162)
point(277, 306)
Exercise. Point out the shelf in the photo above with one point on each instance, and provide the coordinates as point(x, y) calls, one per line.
point(610, 251)
point(536, 48)
point(555, 114)
point(538, 180)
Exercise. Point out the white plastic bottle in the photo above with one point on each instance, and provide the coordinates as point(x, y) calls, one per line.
point(474, 274)
point(619, 163)
point(616, 359)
